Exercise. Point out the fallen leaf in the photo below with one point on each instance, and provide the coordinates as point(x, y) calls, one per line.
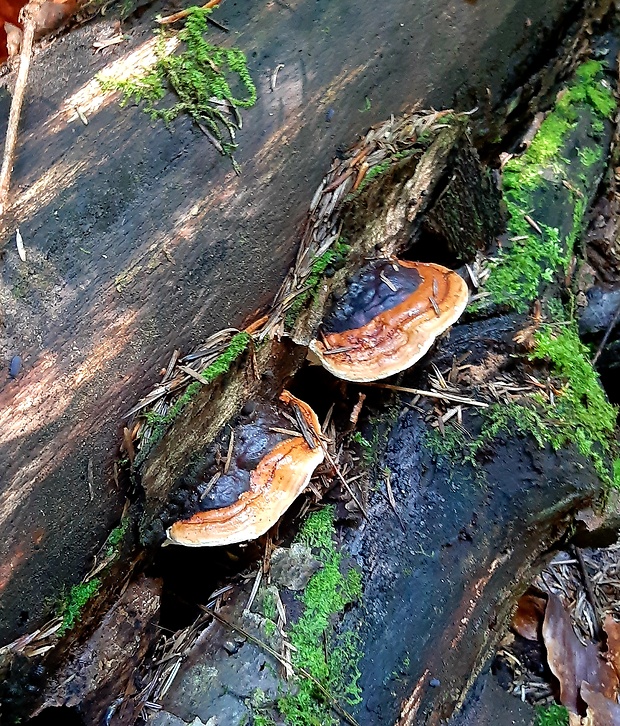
point(528, 617)
point(602, 711)
point(570, 661)
point(612, 629)
point(21, 250)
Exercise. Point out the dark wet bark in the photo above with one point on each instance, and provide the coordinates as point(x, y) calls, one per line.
point(465, 217)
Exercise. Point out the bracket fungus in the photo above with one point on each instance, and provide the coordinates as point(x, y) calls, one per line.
point(280, 476)
point(389, 317)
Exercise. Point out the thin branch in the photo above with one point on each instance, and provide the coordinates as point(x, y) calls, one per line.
point(184, 13)
point(28, 14)
point(431, 394)
point(608, 331)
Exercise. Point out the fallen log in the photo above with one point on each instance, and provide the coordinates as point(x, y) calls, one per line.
point(392, 621)
point(105, 246)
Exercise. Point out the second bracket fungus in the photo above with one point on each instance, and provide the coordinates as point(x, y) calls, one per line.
point(281, 475)
point(389, 317)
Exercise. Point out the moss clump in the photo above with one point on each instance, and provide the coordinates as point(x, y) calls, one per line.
point(334, 256)
point(381, 168)
point(269, 606)
point(197, 74)
point(219, 367)
point(73, 604)
point(368, 453)
point(115, 538)
point(589, 156)
point(326, 595)
point(533, 259)
point(582, 413)
point(553, 715)
point(616, 469)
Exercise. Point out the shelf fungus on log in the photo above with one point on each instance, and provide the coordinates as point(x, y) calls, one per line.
point(279, 477)
point(389, 317)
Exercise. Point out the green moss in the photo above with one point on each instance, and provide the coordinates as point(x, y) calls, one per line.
point(381, 168)
point(115, 538)
point(326, 595)
point(258, 705)
point(269, 606)
point(616, 470)
point(589, 156)
point(197, 73)
point(334, 256)
point(261, 720)
point(73, 604)
point(533, 259)
point(581, 414)
point(553, 715)
point(368, 452)
point(219, 367)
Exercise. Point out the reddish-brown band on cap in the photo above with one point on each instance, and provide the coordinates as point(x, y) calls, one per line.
point(280, 477)
point(395, 339)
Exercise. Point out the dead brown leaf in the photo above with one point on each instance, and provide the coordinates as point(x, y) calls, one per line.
point(570, 661)
point(612, 629)
point(528, 617)
point(602, 711)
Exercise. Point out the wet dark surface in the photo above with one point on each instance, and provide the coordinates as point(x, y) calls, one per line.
point(368, 295)
point(446, 576)
point(490, 705)
point(602, 306)
point(141, 239)
point(440, 573)
point(253, 439)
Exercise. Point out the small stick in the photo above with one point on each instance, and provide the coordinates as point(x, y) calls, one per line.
point(431, 394)
point(90, 477)
point(274, 76)
point(591, 594)
point(345, 483)
point(184, 13)
point(533, 223)
point(231, 443)
point(610, 327)
point(28, 14)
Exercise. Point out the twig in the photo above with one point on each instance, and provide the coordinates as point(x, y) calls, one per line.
point(286, 663)
point(345, 483)
point(28, 14)
point(591, 594)
point(431, 394)
point(231, 443)
point(610, 327)
point(184, 13)
point(90, 478)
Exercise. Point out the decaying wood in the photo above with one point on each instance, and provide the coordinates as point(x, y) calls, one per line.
point(119, 274)
point(276, 360)
point(445, 554)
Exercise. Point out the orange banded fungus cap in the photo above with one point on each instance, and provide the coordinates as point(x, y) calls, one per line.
point(388, 319)
point(280, 477)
